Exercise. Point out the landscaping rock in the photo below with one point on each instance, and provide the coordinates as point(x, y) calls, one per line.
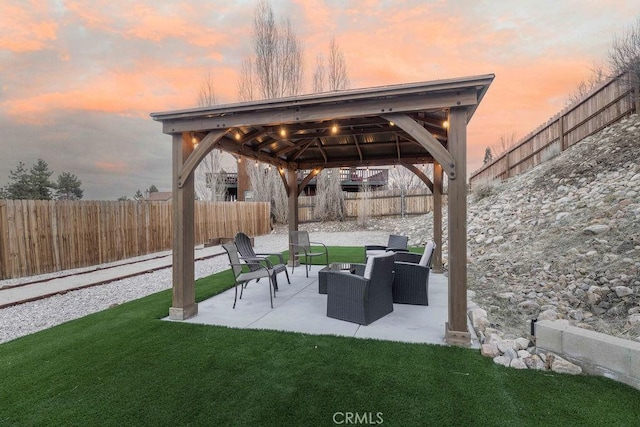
point(563, 366)
point(518, 364)
point(596, 229)
point(489, 350)
point(502, 360)
point(534, 362)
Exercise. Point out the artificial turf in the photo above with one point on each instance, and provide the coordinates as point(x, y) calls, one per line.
point(125, 366)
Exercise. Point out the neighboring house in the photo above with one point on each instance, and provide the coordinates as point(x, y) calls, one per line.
point(159, 196)
point(351, 180)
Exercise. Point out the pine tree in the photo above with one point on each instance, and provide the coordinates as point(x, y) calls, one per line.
point(330, 203)
point(19, 187)
point(40, 178)
point(488, 156)
point(68, 187)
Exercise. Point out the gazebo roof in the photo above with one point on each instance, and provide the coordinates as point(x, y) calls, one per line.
point(334, 129)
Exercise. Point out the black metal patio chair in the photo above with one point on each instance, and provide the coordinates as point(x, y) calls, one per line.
point(243, 243)
point(301, 247)
point(242, 278)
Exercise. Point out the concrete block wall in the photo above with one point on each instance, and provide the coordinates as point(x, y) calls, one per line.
point(594, 352)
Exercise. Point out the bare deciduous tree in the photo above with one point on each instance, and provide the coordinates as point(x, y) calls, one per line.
point(319, 75)
point(364, 210)
point(207, 94)
point(335, 76)
point(209, 177)
point(329, 204)
point(266, 186)
point(596, 77)
point(246, 83)
point(624, 54)
point(276, 68)
point(403, 179)
point(506, 141)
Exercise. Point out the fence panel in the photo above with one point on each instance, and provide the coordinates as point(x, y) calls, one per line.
point(375, 204)
point(607, 104)
point(38, 236)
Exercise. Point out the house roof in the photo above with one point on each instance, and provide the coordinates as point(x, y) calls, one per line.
point(160, 196)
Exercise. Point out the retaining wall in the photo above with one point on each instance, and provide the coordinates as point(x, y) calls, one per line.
point(594, 352)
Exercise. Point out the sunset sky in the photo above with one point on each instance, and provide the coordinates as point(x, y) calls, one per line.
point(78, 79)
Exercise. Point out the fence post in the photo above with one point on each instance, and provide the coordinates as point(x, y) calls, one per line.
point(4, 245)
point(563, 144)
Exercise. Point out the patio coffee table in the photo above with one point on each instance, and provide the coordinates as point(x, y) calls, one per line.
point(334, 266)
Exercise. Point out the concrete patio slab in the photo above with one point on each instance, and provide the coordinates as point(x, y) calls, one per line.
point(300, 308)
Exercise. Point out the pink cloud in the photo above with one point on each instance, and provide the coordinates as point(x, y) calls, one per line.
point(25, 28)
point(112, 167)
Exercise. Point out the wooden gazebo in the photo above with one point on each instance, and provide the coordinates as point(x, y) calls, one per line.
point(404, 125)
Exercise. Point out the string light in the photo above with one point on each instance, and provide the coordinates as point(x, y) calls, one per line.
point(445, 124)
point(238, 136)
point(283, 132)
point(334, 129)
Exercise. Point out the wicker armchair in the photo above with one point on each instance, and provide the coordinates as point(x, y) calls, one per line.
point(243, 243)
point(411, 281)
point(242, 278)
point(300, 245)
point(362, 299)
point(396, 243)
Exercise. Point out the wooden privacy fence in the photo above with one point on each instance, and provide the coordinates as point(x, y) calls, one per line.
point(375, 204)
point(39, 236)
point(607, 104)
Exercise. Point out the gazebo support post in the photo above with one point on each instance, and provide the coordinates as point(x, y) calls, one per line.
point(183, 303)
point(437, 217)
point(292, 180)
point(456, 330)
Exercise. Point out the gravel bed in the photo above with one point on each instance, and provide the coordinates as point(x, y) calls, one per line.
point(24, 319)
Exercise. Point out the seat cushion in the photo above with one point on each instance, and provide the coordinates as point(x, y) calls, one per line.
point(375, 252)
point(426, 256)
point(369, 267)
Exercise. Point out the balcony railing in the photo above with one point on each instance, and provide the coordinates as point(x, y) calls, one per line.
point(349, 178)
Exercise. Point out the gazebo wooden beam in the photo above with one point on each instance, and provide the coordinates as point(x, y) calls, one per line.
point(295, 113)
point(314, 172)
point(424, 178)
point(203, 148)
point(456, 330)
point(437, 217)
point(184, 305)
point(424, 137)
point(348, 163)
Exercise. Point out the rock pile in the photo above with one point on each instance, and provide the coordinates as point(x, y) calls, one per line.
point(562, 241)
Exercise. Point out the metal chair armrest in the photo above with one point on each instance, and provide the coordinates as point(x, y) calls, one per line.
point(279, 255)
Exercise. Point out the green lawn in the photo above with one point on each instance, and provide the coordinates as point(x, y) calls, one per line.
point(124, 366)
